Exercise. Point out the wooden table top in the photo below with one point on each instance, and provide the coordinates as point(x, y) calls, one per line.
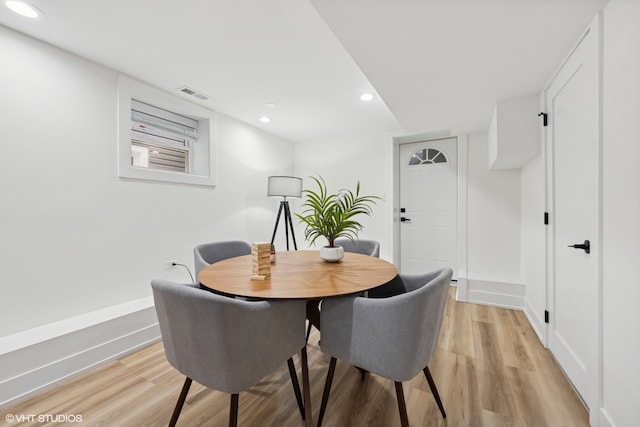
point(299, 274)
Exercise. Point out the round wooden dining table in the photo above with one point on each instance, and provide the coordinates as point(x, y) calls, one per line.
point(298, 275)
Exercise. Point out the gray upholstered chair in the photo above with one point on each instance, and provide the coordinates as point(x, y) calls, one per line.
point(365, 247)
point(224, 343)
point(208, 253)
point(394, 337)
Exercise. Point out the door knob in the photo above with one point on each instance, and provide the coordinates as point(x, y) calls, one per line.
point(586, 246)
point(403, 219)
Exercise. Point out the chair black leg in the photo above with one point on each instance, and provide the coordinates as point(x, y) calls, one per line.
point(313, 315)
point(309, 330)
point(402, 408)
point(327, 389)
point(296, 385)
point(180, 402)
point(306, 389)
point(363, 373)
point(434, 390)
point(233, 410)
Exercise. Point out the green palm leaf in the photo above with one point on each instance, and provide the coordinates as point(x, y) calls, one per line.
point(331, 215)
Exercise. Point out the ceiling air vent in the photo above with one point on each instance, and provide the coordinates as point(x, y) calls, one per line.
point(189, 91)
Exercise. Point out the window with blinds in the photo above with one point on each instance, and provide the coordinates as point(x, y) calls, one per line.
point(161, 139)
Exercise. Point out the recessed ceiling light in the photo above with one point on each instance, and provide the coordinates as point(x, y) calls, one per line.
point(25, 9)
point(264, 119)
point(367, 96)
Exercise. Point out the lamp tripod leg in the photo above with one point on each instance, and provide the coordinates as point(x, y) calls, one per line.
point(287, 218)
point(273, 237)
point(289, 222)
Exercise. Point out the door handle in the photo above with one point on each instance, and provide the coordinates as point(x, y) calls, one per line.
point(403, 219)
point(586, 246)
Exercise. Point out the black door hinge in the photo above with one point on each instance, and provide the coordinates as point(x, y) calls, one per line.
point(546, 218)
point(546, 316)
point(544, 119)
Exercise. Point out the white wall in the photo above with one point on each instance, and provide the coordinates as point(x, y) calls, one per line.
point(79, 246)
point(493, 217)
point(621, 214)
point(342, 162)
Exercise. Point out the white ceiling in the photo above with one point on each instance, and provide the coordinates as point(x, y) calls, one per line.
point(436, 65)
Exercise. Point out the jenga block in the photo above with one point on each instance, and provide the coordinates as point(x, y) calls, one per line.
point(261, 260)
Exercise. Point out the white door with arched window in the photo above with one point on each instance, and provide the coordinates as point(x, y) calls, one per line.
point(428, 206)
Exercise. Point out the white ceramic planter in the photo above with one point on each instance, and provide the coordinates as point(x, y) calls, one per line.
point(332, 253)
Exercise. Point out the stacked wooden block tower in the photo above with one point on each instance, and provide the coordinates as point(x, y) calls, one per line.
point(261, 261)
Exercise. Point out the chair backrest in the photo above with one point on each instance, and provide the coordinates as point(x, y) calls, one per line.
point(208, 253)
point(366, 247)
point(224, 343)
point(394, 337)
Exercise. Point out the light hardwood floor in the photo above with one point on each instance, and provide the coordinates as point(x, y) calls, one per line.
point(490, 370)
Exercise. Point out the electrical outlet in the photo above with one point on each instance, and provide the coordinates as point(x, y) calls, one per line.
point(168, 265)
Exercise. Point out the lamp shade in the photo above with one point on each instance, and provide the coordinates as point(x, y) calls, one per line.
point(284, 186)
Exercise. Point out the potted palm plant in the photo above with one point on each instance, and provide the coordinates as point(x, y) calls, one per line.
point(331, 215)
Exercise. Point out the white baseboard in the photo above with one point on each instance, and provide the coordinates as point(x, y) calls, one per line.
point(605, 420)
point(36, 359)
point(461, 289)
point(495, 293)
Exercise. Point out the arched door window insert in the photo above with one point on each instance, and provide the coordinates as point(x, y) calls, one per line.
point(427, 156)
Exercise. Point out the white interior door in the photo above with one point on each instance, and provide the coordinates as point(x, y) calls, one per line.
point(572, 102)
point(428, 204)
